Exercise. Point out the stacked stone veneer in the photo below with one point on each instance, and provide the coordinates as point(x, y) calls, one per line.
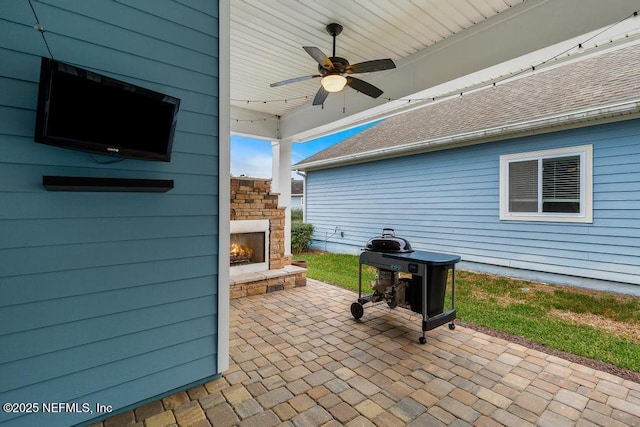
point(252, 199)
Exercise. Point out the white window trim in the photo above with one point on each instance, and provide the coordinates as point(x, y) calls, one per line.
point(586, 178)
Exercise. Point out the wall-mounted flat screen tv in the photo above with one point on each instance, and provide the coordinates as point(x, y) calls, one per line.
point(87, 111)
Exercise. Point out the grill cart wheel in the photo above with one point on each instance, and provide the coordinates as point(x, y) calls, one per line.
point(452, 326)
point(422, 340)
point(357, 310)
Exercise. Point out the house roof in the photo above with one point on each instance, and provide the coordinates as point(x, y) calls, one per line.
point(602, 86)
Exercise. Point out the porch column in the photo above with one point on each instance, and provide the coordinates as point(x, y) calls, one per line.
point(281, 183)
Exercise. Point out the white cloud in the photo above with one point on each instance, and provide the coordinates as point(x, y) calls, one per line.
point(255, 165)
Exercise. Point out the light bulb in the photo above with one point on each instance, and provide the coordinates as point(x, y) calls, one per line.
point(333, 82)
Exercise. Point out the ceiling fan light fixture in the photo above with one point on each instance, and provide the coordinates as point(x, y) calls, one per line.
point(333, 82)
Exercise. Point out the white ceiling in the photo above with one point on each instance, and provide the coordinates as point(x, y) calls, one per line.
point(267, 38)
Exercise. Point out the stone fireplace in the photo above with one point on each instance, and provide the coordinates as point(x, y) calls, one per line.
point(257, 254)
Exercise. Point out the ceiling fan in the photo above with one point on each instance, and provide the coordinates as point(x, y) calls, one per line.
point(335, 71)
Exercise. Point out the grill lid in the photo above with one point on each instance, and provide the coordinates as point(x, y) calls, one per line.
point(389, 243)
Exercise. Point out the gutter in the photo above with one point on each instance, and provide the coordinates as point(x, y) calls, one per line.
point(541, 125)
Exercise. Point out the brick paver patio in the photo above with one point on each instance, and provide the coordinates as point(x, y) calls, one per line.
point(299, 358)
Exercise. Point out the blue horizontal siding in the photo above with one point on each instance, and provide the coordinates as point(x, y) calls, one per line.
point(28, 288)
point(23, 372)
point(73, 387)
point(81, 327)
point(108, 297)
point(118, 394)
point(449, 201)
point(44, 313)
point(89, 255)
point(82, 205)
point(52, 232)
point(198, 15)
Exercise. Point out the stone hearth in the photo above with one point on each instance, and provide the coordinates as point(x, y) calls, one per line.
point(252, 199)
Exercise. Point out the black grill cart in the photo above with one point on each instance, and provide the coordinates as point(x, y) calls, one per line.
point(421, 289)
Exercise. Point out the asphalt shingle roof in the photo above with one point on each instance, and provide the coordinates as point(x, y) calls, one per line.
point(597, 81)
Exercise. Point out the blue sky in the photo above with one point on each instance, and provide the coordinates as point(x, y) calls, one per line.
point(252, 157)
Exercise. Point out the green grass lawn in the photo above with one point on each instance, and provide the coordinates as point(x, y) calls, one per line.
point(597, 325)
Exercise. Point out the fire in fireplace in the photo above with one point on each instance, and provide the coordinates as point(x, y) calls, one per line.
point(247, 248)
point(239, 254)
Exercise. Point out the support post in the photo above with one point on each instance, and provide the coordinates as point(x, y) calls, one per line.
point(281, 184)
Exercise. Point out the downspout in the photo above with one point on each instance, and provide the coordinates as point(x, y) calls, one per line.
point(303, 174)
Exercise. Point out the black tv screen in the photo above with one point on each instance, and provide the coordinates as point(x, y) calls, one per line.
point(87, 111)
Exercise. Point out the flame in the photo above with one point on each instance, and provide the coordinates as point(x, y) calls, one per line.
point(240, 251)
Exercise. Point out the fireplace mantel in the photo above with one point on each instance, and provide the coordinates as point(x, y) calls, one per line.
point(249, 225)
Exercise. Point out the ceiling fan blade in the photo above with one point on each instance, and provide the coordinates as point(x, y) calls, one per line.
point(319, 56)
point(294, 80)
point(321, 96)
point(364, 87)
point(371, 66)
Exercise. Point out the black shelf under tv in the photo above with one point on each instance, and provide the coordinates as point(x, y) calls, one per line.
point(93, 184)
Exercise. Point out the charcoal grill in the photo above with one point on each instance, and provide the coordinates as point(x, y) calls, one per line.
point(409, 279)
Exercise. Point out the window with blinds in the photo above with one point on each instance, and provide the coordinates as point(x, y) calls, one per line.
point(547, 185)
point(561, 184)
point(523, 186)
